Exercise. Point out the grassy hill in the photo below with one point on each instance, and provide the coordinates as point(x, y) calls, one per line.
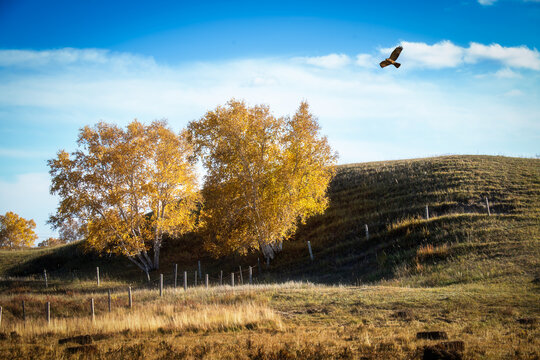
point(459, 243)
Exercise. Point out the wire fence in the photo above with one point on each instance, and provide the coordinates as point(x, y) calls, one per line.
point(244, 274)
point(188, 279)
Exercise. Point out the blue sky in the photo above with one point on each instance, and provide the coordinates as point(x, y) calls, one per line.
point(469, 81)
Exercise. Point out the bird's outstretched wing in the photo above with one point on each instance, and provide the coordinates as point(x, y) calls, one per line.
point(385, 63)
point(396, 53)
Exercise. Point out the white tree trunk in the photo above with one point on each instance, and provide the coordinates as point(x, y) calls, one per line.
point(142, 265)
point(270, 250)
point(157, 247)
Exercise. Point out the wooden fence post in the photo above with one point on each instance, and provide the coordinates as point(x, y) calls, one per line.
point(130, 298)
point(250, 276)
point(427, 212)
point(160, 285)
point(48, 312)
point(367, 231)
point(45, 276)
point(175, 274)
point(109, 299)
point(241, 276)
point(309, 248)
point(487, 205)
point(200, 270)
point(92, 309)
point(206, 281)
point(195, 279)
point(23, 311)
point(97, 275)
point(221, 278)
point(232, 279)
point(185, 280)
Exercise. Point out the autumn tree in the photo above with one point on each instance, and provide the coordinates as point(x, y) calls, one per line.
point(264, 175)
point(16, 232)
point(127, 187)
point(70, 230)
point(51, 241)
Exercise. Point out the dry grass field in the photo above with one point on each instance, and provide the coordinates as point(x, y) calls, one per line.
point(287, 321)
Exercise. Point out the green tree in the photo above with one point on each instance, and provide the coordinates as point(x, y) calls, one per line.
point(264, 175)
point(128, 188)
point(16, 232)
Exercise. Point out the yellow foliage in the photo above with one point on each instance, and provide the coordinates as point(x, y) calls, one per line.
point(50, 242)
point(16, 231)
point(264, 174)
point(128, 187)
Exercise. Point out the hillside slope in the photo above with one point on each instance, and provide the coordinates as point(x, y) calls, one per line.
point(459, 243)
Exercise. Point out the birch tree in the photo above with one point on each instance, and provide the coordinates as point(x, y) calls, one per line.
point(264, 175)
point(16, 232)
point(127, 187)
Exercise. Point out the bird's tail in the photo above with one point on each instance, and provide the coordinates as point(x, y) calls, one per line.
point(397, 64)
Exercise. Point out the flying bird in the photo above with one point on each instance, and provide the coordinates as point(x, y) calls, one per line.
point(392, 59)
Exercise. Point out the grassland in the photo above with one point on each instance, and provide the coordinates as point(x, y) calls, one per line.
point(288, 321)
point(391, 198)
point(474, 276)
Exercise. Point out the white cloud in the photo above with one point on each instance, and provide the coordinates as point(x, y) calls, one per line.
point(366, 60)
point(184, 92)
point(69, 56)
point(507, 73)
point(518, 56)
point(440, 55)
point(331, 61)
point(263, 81)
point(491, 2)
point(514, 92)
point(445, 54)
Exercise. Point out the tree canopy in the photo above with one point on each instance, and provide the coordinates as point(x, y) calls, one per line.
point(264, 175)
point(70, 230)
point(51, 241)
point(16, 232)
point(127, 188)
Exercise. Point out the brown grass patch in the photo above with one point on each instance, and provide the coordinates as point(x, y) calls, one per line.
point(154, 317)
